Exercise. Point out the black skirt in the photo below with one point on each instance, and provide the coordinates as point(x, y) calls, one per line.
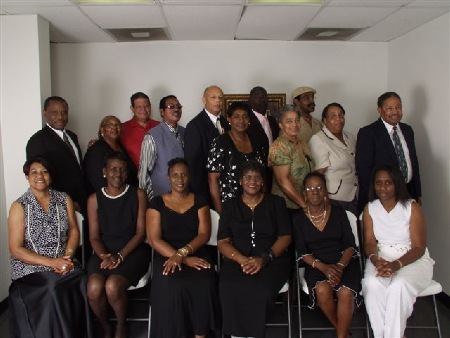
point(46, 304)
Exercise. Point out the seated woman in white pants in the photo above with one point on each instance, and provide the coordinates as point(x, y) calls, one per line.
point(395, 242)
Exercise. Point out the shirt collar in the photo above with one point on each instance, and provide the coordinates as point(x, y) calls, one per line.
point(212, 117)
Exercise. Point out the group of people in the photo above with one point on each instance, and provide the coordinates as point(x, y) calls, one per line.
point(279, 183)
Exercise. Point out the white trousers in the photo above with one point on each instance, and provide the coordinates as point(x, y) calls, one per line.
point(390, 300)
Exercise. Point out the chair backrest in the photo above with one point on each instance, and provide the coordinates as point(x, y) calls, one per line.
point(80, 220)
point(354, 224)
point(214, 227)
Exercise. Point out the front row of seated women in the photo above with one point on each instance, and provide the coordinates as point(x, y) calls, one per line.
point(48, 295)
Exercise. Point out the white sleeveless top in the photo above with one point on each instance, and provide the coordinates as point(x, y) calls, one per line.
point(391, 228)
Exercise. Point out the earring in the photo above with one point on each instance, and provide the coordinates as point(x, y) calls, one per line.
point(104, 176)
point(102, 135)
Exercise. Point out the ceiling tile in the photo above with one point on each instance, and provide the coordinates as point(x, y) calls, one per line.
point(67, 24)
point(399, 23)
point(430, 3)
point(350, 17)
point(126, 16)
point(35, 3)
point(368, 3)
point(216, 22)
point(286, 22)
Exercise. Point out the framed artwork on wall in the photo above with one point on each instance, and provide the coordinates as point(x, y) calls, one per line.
point(276, 101)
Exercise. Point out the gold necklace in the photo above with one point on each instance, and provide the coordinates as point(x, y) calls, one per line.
point(252, 206)
point(317, 224)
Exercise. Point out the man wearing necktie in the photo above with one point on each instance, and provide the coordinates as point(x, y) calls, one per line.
point(263, 128)
point(387, 141)
point(200, 132)
point(60, 147)
point(161, 144)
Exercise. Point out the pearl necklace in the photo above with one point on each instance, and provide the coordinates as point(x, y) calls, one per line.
point(116, 196)
point(317, 224)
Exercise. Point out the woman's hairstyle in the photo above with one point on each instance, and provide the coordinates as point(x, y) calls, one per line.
point(401, 193)
point(173, 162)
point(46, 164)
point(115, 155)
point(251, 165)
point(328, 106)
point(103, 124)
point(238, 106)
point(386, 96)
point(317, 175)
point(278, 115)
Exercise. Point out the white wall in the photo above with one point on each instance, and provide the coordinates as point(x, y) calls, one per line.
point(98, 79)
point(25, 80)
point(419, 70)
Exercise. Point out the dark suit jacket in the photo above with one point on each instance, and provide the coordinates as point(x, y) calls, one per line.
point(68, 172)
point(200, 132)
point(374, 148)
point(256, 133)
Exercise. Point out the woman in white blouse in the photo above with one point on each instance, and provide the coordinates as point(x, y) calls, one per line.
point(334, 152)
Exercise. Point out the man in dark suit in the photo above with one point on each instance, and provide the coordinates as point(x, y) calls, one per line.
point(60, 147)
point(200, 132)
point(375, 146)
point(263, 127)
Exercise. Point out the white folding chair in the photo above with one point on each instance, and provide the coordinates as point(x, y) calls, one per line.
point(80, 220)
point(432, 290)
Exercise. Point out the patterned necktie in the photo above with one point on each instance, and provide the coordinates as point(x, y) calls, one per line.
point(219, 127)
point(400, 154)
point(67, 142)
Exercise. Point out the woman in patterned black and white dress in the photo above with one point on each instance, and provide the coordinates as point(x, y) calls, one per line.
point(47, 297)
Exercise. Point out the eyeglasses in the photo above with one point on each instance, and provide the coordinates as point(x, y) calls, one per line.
point(248, 178)
point(318, 188)
point(174, 106)
point(112, 125)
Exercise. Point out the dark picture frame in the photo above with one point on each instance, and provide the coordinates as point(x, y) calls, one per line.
point(276, 101)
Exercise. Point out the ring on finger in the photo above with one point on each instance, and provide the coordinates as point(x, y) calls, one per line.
point(64, 267)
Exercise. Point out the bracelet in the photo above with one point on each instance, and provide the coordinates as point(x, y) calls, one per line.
point(400, 263)
point(267, 257)
point(233, 254)
point(370, 256)
point(190, 247)
point(341, 264)
point(178, 254)
point(69, 252)
point(314, 263)
point(120, 256)
point(183, 251)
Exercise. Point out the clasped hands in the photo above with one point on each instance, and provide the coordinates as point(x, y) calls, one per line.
point(333, 272)
point(110, 261)
point(251, 265)
point(175, 262)
point(63, 265)
point(385, 268)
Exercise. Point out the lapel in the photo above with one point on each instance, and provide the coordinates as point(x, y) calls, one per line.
point(385, 139)
point(211, 129)
point(333, 139)
point(56, 142)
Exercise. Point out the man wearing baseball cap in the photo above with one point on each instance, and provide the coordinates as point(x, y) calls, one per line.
point(303, 98)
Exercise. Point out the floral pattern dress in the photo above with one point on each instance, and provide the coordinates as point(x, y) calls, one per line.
point(224, 158)
point(283, 152)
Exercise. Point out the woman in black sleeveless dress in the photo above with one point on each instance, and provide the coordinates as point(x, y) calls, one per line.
point(116, 230)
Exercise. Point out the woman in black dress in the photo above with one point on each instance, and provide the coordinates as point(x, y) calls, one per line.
point(184, 294)
point(254, 234)
point(116, 231)
point(109, 133)
point(325, 242)
point(228, 152)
